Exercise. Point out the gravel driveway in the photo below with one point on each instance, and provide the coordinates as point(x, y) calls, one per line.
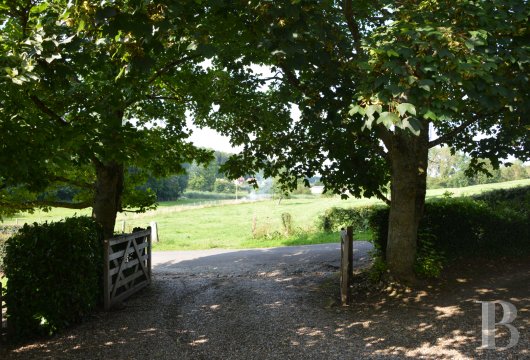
point(281, 304)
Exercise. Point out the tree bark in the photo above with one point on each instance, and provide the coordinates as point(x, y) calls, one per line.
point(107, 199)
point(408, 156)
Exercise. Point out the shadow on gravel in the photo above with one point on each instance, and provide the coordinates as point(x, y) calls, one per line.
point(285, 314)
point(259, 260)
point(437, 321)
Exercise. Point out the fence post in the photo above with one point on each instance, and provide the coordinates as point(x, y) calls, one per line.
point(154, 231)
point(346, 264)
point(123, 227)
point(106, 280)
point(349, 231)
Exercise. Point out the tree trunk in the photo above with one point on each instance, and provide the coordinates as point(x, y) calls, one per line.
point(107, 199)
point(409, 156)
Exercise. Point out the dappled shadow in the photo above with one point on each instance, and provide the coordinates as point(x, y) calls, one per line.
point(274, 311)
point(297, 316)
point(440, 320)
point(137, 331)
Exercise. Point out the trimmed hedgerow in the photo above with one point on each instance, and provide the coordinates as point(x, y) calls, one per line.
point(462, 227)
point(335, 218)
point(516, 199)
point(54, 276)
point(5, 233)
point(495, 223)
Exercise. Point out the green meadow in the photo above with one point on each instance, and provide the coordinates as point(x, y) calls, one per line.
point(202, 224)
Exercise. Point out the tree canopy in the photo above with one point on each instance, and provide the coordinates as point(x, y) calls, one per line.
point(103, 86)
point(377, 84)
point(89, 90)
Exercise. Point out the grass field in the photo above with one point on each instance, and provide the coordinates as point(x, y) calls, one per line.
point(185, 226)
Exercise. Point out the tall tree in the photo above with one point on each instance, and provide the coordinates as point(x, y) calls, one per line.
point(376, 84)
point(89, 89)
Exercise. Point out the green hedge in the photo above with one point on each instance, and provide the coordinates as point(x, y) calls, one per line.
point(495, 223)
point(516, 199)
point(5, 233)
point(335, 218)
point(463, 227)
point(54, 276)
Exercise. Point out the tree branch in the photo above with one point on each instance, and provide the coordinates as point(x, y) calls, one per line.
point(45, 109)
point(174, 98)
point(382, 197)
point(79, 184)
point(81, 205)
point(292, 79)
point(347, 9)
point(169, 66)
point(448, 136)
point(44, 203)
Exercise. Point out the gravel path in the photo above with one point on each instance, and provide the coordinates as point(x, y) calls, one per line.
point(281, 304)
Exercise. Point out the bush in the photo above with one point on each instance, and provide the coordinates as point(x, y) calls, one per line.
point(459, 227)
point(54, 276)
point(516, 199)
point(5, 233)
point(205, 195)
point(335, 218)
point(224, 186)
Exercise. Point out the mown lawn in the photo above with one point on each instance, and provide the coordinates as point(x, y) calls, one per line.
point(183, 226)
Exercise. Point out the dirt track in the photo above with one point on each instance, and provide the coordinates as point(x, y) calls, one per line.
point(263, 304)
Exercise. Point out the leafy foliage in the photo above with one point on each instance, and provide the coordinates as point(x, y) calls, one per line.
point(516, 199)
point(168, 188)
point(54, 276)
point(368, 83)
point(5, 233)
point(101, 87)
point(458, 227)
point(224, 186)
point(451, 170)
point(335, 218)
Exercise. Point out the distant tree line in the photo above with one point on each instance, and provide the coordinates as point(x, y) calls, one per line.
point(448, 169)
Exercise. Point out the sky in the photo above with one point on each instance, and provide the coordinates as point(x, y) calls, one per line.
point(211, 139)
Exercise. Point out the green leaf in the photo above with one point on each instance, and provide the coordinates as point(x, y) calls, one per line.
point(388, 119)
point(192, 46)
point(356, 109)
point(430, 115)
point(425, 84)
point(406, 107)
point(81, 25)
point(372, 109)
point(470, 44)
point(120, 74)
point(413, 125)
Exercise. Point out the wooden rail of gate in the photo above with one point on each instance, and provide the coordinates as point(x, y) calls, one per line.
point(127, 266)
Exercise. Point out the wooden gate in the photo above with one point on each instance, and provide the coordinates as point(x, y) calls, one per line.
point(127, 266)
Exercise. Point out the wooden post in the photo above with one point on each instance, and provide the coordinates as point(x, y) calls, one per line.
point(106, 280)
point(123, 227)
point(154, 231)
point(349, 231)
point(346, 266)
